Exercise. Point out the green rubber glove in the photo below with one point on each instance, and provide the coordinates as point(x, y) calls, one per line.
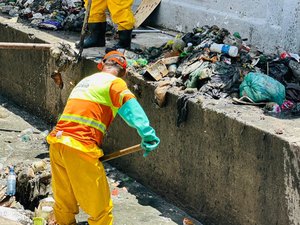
point(133, 114)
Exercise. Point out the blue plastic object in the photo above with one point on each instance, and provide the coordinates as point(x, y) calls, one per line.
point(133, 114)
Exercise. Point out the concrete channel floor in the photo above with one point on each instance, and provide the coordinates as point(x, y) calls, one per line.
point(133, 203)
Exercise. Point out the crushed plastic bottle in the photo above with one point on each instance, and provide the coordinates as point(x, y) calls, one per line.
point(11, 182)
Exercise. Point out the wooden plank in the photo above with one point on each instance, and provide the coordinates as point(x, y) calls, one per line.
point(144, 10)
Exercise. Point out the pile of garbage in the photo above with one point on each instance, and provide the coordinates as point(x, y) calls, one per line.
point(212, 62)
point(54, 15)
point(209, 60)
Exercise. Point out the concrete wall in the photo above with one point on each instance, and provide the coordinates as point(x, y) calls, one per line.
point(26, 74)
point(225, 164)
point(267, 24)
point(225, 169)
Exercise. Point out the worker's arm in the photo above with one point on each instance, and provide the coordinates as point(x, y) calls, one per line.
point(119, 93)
point(133, 114)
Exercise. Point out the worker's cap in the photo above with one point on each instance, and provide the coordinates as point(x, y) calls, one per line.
point(115, 56)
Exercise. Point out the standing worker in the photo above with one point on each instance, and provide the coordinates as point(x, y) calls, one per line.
point(78, 176)
point(121, 14)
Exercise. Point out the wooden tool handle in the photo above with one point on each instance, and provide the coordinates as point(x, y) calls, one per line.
point(120, 153)
point(84, 28)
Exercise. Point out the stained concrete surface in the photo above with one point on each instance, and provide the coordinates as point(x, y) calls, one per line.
point(133, 203)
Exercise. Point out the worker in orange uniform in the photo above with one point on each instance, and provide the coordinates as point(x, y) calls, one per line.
point(78, 176)
point(121, 14)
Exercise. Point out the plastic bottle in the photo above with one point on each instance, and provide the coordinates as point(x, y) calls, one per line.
point(189, 47)
point(11, 182)
point(227, 49)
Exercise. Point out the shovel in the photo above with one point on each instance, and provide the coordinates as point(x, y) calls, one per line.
point(121, 153)
point(84, 28)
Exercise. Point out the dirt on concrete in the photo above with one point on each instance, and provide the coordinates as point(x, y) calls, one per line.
point(133, 203)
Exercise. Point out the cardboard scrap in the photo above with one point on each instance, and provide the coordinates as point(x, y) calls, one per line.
point(157, 70)
point(170, 60)
point(144, 10)
point(160, 92)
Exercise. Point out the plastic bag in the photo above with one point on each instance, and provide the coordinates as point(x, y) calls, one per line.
point(260, 87)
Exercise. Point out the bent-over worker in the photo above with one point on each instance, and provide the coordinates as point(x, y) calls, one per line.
point(78, 176)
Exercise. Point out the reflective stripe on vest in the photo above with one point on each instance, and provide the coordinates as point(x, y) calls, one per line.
point(96, 88)
point(84, 121)
point(123, 93)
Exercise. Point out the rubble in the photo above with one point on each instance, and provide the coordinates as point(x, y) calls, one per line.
point(216, 63)
point(54, 15)
point(33, 184)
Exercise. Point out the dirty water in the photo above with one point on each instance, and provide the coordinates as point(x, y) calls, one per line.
point(133, 203)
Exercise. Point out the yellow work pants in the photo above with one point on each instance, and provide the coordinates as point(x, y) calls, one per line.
point(120, 12)
point(79, 179)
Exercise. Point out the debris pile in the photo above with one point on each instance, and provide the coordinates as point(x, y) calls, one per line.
point(64, 57)
point(212, 62)
point(54, 15)
point(51, 15)
point(33, 193)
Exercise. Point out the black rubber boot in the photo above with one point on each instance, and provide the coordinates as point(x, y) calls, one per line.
point(96, 37)
point(124, 39)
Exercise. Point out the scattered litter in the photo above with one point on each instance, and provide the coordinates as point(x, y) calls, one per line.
point(220, 65)
point(64, 55)
point(115, 192)
point(39, 166)
point(44, 211)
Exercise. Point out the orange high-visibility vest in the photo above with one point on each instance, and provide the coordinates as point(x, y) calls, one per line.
point(90, 109)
